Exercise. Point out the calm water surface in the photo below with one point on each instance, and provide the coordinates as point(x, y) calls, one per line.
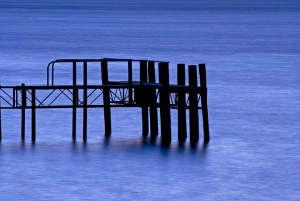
point(252, 54)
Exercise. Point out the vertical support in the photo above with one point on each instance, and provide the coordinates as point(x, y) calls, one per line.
point(33, 116)
point(202, 71)
point(75, 102)
point(181, 104)
point(143, 80)
point(153, 105)
point(85, 96)
point(23, 114)
point(130, 94)
point(165, 115)
point(193, 102)
point(106, 98)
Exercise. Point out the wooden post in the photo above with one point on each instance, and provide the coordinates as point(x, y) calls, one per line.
point(202, 71)
point(23, 114)
point(130, 94)
point(106, 98)
point(153, 106)
point(33, 116)
point(193, 102)
point(85, 96)
point(143, 80)
point(181, 105)
point(75, 102)
point(165, 115)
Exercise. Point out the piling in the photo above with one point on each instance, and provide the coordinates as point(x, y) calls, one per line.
point(33, 116)
point(193, 103)
point(153, 104)
point(85, 97)
point(202, 72)
point(143, 81)
point(181, 105)
point(165, 114)
point(106, 98)
point(23, 114)
point(75, 102)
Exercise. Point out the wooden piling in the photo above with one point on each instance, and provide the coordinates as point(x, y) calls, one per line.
point(85, 97)
point(23, 113)
point(202, 72)
point(153, 105)
point(181, 105)
point(193, 103)
point(143, 80)
point(33, 116)
point(106, 98)
point(75, 102)
point(165, 115)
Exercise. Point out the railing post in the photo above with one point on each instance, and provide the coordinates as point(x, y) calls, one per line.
point(153, 105)
point(143, 80)
point(181, 104)
point(130, 94)
point(165, 115)
point(23, 113)
point(106, 98)
point(202, 71)
point(75, 102)
point(33, 117)
point(193, 102)
point(85, 96)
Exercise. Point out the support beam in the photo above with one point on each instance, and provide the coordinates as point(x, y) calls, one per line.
point(202, 72)
point(181, 105)
point(193, 102)
point(75, 102)
point(153, 105)
point(106, 98)
point(165, 114)
point(23, 112)
point(143, 80)
point(85, 97)
point(33, 117)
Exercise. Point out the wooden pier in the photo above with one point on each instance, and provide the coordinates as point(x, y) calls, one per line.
point(146, 93)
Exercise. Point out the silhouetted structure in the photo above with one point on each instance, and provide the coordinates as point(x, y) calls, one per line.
point(147, 93)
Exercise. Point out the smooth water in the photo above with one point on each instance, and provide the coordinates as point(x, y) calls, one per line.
point(252, 55)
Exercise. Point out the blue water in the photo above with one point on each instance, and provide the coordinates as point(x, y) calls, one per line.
point(252, 54)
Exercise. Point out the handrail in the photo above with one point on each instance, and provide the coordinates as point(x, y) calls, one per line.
point(53, 62)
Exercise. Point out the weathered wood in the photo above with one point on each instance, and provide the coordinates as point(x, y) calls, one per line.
point(85, 96)
point(106, 98)
point(23, 112)
point(143, 80)
point(153, 106)
point(75, 101)
point(181, 105)
point(33, 116)
point(165, 114)
point(193, 101)
point(202, 72)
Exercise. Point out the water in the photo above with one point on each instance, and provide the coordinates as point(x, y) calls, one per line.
point(252, 55)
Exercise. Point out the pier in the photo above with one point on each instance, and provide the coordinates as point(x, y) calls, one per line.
point(147, 93)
